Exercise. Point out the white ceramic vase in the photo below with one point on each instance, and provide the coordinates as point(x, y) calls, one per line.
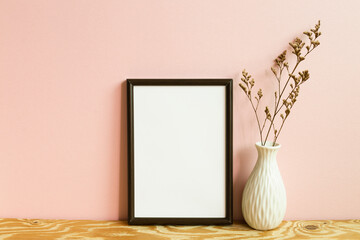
point(264, 196)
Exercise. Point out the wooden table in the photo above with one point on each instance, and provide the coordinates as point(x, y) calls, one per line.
point(23, 229)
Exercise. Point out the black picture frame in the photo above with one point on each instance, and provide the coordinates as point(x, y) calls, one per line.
point(133, 99)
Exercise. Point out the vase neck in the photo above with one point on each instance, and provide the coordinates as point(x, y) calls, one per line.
point(267, 152)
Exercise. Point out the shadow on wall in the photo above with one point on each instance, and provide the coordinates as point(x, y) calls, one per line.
point(245, 135)
point(244, 165)
point(123, 188)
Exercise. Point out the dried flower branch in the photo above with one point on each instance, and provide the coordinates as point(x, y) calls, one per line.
point(292, 84)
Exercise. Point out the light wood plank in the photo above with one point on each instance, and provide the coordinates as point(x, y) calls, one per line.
point(24, 229)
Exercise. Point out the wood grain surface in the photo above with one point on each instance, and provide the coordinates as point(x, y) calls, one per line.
point(23, 229)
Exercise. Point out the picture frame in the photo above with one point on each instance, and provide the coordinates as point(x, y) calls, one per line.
point(179, 151)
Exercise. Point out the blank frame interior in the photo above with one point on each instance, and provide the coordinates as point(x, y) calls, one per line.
point(179, 151)
point(177, 128)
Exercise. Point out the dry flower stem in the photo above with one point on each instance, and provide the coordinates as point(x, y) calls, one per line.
point(279, 100)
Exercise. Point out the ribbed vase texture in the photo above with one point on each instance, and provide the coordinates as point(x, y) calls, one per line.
point(264, 196)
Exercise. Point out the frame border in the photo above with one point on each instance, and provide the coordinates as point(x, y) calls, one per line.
point(228, 219)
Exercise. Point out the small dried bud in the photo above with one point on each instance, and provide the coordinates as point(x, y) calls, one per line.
point(287, 112)
point(286, 103)
point(252, 83)
point(273, 70)
point(304, 75)
point(316, 43)
point(297, 41)
point(244, 73)
point(307, 33)
point(317, 26)
point(260, 94)
point(267, 112)
point(243, 87)
point(281, 58)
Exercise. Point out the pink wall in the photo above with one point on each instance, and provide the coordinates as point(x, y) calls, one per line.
point(63, 103)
